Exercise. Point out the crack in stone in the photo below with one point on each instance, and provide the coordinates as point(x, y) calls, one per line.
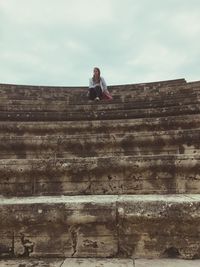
point(12, 249)
point(62, 263)
point(109, 182)
point(74, 237)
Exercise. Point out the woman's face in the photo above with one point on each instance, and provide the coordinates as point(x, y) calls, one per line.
point(96, 73)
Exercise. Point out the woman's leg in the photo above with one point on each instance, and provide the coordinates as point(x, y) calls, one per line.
point(98, 92)
point(92, 94)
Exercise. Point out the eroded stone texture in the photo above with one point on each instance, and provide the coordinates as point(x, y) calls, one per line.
point(167, 263)
point(101, 175)
point(87, 145)
point(160, 99)
point(32, 263)
point(159, 226)
point(54, 141)
point(99, 226)
point(98, 263)
point(32, 129)
point(70, 227)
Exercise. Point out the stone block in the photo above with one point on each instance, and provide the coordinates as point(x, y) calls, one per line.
point(95, 175)
point(32, 263)
point(159, 226)
point(167, 263)
point(98, 263)
point(58, 227)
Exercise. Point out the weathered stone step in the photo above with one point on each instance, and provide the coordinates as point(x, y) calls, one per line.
point(100, 115)
point(29, 90)
point(93, 262)
point(33, 262)
point(166, 263)
point(101, 226)
point(160, 226)
point(89, 106)
point(78, 93)
point(106, 175)
point(90, 145)
point(70, 262)
point(122, 96)
point(102, 126)
point(121, 92)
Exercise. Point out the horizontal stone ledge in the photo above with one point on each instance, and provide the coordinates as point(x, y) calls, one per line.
point(162, 228)
point(107, 175)
point(83, 103)
point(124, 95)
point(101, 226)
point(69, 262)
point(35, 88)
point(82, 262)
point(162, 142)
point(166, 263)
point(31, 262)
point(17, 91)
point(100, 115)
point(107, 202)
point(121, 104)
point(38, 128)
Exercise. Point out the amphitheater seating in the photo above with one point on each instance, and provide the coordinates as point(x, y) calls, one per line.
point(104, 179)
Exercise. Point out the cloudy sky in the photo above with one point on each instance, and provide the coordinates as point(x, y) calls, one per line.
point(58, 42)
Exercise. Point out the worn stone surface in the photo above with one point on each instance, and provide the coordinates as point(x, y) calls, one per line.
point(167, 263)
point(54, 141)
point(95, 175)
point(159, 226)
point(32, 263)
point(159, 99)
point(98, 263)
point(147, 143)
point(28, 91)
point(100, 115)
point(58, 226)
point(99, 226)
point(67, 128)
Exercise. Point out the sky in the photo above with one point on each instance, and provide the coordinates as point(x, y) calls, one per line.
point(59, 42)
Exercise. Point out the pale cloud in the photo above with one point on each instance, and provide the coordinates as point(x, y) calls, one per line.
point(59, 42)
point(52, 11)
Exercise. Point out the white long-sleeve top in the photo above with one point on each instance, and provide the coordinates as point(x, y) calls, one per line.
point(102, 84)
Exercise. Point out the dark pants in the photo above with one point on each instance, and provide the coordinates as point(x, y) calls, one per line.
point(95, 92)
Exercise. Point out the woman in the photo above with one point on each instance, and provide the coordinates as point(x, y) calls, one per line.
point(97, 87)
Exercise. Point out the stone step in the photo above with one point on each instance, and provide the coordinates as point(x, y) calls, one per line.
point(108, 175)
point(90, 106)
point(68, 262)
point(92, 262)
point(90, 145)
point(123, 96)
point(101, 226)
point(166, 263)
point(16, 92)
point(33, 262)
point(100, 115)
point(104, 126)
point(123, 92)
point(29, 90)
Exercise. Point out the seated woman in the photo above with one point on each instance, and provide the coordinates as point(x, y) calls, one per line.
point(97, 87)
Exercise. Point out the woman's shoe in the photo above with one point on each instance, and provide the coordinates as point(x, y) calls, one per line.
point(97, 98)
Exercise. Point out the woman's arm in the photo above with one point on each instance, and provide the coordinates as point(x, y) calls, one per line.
point(91, 83)
point(104, 86)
